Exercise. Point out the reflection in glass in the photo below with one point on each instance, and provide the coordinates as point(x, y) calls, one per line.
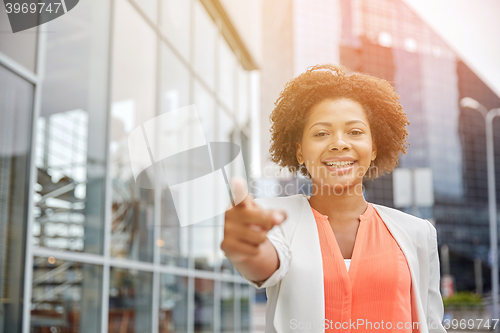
point(130, 301)
point(149, 7)
point(16, 107)
point(205, 37)
point(203, 306)
point(70, 155)
point(174, 81)
point(220, 258)
point(245, 151)
point(133, 95)
point(205, 104)
point(66, 296)
point(176, 24)
point(227, 307)
point(203, 233)
point(243, 110)
point(19, 46)
point(245, 293)
point(225, 134)
point(173, 304)
point(62, 175)
point(227, 69)
point(203, 244)
point(174, 240)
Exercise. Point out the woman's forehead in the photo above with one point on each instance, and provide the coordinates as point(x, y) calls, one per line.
point(337, 110)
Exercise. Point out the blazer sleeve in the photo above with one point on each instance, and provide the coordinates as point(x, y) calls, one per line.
point(277, 237)
point(435, 308)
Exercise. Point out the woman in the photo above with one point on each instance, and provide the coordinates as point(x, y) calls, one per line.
point(334, 262)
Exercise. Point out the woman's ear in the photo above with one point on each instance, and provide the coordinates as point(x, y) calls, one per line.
point(374, 151)
point(299, 156)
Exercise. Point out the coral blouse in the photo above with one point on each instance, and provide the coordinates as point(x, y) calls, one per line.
point(376, 291)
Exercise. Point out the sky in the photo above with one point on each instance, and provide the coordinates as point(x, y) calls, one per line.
point(471, 28)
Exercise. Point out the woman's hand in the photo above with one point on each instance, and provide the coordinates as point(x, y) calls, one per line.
point(245, 243)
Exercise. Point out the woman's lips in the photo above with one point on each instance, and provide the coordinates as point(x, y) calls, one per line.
point(341, 170)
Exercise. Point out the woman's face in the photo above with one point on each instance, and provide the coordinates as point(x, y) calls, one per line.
point(336, 145)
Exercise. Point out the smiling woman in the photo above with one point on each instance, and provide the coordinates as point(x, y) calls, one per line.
point(376, 97)
point(333, 259)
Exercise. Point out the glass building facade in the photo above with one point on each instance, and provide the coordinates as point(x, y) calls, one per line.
point(385, 38)
point(82, 248)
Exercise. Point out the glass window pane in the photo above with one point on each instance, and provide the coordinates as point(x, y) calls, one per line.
point(66, 296)
point(174, 81)
point(174, 239)
point(20, 46)
point(203, 306)
point(204, 52)
point(205, 105)
point(230, 133)
point(226, 127)
point(243, 111)
point(238, 168)
point(225, 134)
point(130, 301)
point(245, 293)
point(150, 8)
point(220, 258)
point(173, 304)
point(203, 233)
point(133, 95)
point(174, 94)
point(245, 151)
point(16, 113)
point(203, 244)
point(70, 150)
point(227, 69)
point(227, 307)
point(176, 24)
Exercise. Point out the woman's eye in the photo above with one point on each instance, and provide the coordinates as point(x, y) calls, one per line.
point(356, 132)
point(321, 134)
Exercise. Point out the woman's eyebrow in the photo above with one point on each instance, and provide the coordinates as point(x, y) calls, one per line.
point(354, 122)
point(330, 124)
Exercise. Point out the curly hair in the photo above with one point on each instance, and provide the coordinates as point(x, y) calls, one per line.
point(385, 115)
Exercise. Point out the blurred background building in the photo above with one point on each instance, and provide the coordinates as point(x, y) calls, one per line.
point(84, 249)
point(385, 38)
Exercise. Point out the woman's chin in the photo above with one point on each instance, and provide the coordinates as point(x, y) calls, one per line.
point(337, 186)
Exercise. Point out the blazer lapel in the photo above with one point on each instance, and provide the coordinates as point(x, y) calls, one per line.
point(301, 295)
point(405, 243)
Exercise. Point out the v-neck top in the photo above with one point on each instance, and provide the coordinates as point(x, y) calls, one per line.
point(377, 287)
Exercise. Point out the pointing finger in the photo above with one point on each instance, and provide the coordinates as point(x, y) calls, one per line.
point(240, 192)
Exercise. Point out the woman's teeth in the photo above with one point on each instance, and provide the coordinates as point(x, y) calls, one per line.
point(339, 164)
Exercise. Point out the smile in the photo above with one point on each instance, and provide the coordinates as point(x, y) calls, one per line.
point(340, 167)
point(340, 164)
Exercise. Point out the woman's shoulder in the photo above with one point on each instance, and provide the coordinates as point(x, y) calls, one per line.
point(410, 223)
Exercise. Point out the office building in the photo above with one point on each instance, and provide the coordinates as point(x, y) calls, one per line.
point(82, 248)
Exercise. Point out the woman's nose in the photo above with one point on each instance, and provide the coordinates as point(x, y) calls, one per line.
point(338, 142)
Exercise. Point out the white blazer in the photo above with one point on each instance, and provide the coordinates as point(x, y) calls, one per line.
point(296, 301)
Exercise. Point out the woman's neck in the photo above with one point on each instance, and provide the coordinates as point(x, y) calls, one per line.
point(341, 205)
